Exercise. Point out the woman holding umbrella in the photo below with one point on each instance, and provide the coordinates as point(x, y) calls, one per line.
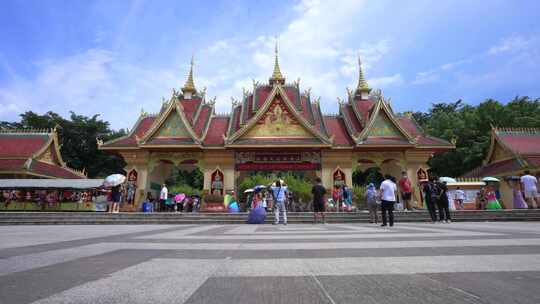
point(114, 181)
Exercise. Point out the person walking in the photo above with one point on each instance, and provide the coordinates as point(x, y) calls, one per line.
point(280, 193)
point(530, 189)
point(318, 192)
point(443, 203)
point(431, 190)
point(371, 202)
point(388, 199)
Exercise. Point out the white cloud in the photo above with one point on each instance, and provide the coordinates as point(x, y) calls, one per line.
point(426, 77)
point(510, 44)
point(90, 82)
point(387, 81)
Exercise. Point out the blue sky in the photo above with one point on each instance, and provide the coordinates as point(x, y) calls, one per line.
point(116, 57)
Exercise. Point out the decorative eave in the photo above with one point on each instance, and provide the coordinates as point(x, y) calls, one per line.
point(276, 90)
point(208, 120)
point(352, 133)
point(105, 145)
point(380, 104)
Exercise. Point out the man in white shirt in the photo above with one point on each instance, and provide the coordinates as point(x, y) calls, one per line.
point(530, 189)
point(163, 195)
point(388, 199)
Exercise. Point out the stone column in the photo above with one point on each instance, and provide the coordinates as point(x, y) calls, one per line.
point(416, 160)
point(332, 160)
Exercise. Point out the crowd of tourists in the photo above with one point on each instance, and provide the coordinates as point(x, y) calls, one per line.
point(171, 202)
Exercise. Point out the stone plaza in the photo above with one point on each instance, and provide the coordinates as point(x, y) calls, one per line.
point(475, 262)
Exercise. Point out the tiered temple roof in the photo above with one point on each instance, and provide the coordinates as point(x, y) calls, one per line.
point(276, 114)
point(33, 153)
point(511, 151)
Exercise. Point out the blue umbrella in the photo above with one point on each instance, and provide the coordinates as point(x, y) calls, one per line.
point(257, 216)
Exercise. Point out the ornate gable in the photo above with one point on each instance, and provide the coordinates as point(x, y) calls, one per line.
point(382, 124)
point(171, 128)
point(278, 120)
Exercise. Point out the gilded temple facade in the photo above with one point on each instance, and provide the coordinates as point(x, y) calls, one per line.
point(274, 127)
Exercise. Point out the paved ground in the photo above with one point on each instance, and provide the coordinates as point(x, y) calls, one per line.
point(356, 263)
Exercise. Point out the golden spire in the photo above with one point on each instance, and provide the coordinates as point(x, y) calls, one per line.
point(189, 87)
point(362, 83)
point(277, 77)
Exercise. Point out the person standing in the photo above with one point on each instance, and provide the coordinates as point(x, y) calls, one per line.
point(371, 202)
point(318, 192)
point(163, 194)
point(115, 196)
point(405, 189)
point(280, 194)
point(530, 189)
point(459, 198)
point(442, 203)
point(431, 190)
point(388, 199)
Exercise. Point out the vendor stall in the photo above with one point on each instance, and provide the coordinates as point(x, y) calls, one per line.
point(49, 194)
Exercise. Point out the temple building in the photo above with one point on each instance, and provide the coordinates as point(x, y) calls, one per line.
point(33, 154)
point(511, 152)
point(275, 126)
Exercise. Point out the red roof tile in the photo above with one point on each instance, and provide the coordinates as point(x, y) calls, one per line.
point(336, 127)
point(495, 169)
point(204, 115)
point(21, 144)
point(216, 130)
point(144, 126)
point(262, 94)
point(36, 167)
point(351, 117)
point(11, 164)
point(409, 125)
point(364, 108)
point(190, 107)
point(524, 144)
point(43, 168)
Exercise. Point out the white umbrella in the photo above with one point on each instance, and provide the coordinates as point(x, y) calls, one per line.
point(248, 191)
point(114, 180)
point(490, 179)
point(446, 179)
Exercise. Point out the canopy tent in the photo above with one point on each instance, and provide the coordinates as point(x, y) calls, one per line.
point(50, 183)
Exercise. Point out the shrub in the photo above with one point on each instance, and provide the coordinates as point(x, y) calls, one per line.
point(360, 196)
point(186, 189)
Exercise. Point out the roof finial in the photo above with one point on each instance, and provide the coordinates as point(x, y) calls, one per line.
point(189, 87)
point(277, 77)
point(362, 86)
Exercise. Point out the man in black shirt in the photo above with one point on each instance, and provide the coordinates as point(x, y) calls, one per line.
point(318, 192)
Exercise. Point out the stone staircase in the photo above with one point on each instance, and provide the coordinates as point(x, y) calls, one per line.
point(95, 218)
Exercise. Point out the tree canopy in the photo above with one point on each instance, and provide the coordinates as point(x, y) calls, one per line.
point(470, 126)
